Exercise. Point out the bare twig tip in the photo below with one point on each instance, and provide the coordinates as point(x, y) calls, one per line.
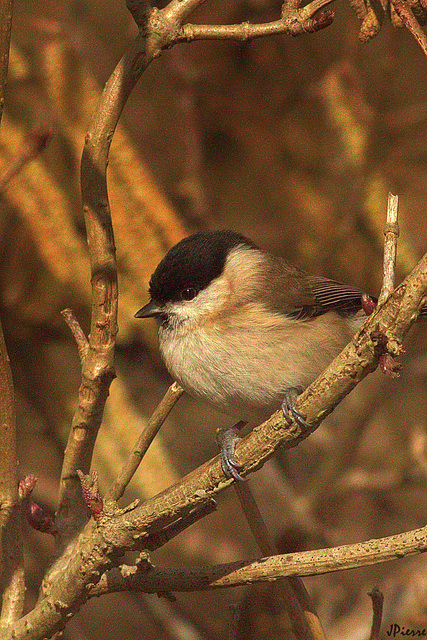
point(377, 598)
point(77, 331)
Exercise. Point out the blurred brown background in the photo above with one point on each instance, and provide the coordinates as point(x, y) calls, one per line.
point(294, 142)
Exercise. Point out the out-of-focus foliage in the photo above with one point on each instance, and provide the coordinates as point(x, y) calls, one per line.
point(295, 142)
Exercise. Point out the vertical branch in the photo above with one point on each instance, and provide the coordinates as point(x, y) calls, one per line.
point(377, 598)
point(5, 29)
point(98, 362)
point(12, 578)
point(11, 556)
point(391, 233)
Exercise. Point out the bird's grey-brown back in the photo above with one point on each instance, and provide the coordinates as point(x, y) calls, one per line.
point(254, 327)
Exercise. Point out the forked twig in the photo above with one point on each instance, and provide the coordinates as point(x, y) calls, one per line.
point(244, 572)
point(77, 331)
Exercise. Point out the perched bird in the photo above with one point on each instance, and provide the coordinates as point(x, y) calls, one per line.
point(244, 330)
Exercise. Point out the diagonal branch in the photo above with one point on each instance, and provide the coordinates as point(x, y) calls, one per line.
point(406, 14)
point(269, 569)
point(165, 406)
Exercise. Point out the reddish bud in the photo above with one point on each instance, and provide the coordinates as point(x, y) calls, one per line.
point(26, 486)
point(368, 305)
point(39, 518)
point(321, 20)
point(389, 366)
point(91, 495)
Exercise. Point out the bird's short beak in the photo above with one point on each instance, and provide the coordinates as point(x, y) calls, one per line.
point(151, 309)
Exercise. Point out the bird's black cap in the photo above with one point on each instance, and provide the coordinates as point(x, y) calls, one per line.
point(193, 262)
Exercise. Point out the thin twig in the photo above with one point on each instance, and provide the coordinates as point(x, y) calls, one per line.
point(405, 13)
point(377, 608)
point(292, 23)
point(233, 574)
point(77, 331)
point(303, 616)
point(162, 411)
point(391, 233)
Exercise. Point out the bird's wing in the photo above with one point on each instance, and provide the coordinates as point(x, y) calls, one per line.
point(330, 295)
point(291, 291)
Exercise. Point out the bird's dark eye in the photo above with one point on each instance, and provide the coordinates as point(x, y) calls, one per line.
point(189, 293)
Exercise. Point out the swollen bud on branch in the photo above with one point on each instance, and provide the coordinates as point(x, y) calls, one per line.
point(39, 518)
point(90, 492)
point(321, 20)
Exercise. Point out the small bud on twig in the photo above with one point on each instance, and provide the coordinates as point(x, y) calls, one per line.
point(26, 486)
point(39, 518)
point(90, 492)
point(368, 305)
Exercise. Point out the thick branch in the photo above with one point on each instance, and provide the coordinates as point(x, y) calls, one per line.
point(12, 576)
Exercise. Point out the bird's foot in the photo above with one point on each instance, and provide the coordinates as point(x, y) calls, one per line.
point(289, 407)
point(227, 439)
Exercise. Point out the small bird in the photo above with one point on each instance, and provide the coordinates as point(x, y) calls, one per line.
point(244, 330)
